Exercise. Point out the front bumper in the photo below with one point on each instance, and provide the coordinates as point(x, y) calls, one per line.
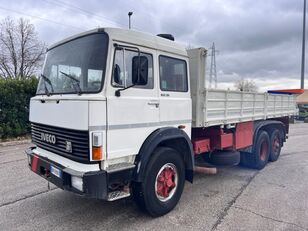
point(95, 184)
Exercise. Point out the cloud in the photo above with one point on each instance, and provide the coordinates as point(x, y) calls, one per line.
point(259, 40)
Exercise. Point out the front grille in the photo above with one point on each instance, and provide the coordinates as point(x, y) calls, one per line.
point(78, 139)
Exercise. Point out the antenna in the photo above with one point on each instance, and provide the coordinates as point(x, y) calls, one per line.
point(213, 72)
point(129, 21)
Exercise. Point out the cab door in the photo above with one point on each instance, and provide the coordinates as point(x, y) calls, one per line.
point(174, 95)
point(134, 114)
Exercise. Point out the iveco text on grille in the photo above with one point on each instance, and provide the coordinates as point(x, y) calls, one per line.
point(48, 138)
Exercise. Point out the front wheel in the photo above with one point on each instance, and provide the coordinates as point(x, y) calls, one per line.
point(163, 183)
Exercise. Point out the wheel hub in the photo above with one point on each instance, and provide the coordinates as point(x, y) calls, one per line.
point(263, 150)
point(166, 182)
point(276, 145)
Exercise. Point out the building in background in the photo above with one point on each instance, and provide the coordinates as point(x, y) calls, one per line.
point(302, 102)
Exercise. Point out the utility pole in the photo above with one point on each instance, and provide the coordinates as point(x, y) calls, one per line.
point(213, 73)
point(303, 48)
point(129, 21)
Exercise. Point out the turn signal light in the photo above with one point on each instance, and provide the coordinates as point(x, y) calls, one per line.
point(96, 153)
point(97, 144)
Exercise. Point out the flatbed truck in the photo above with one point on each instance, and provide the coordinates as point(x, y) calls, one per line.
point(122, 113)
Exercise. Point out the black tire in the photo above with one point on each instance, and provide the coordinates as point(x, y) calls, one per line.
point(275, 145)
point(260, 155)
point(243, 161)
point(225, 158)
point(145, 194)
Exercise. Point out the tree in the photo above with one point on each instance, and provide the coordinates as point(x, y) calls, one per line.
point(246, 85)
point(21, 52)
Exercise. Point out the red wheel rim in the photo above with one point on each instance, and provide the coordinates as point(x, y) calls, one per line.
point(263, 150)
point(166, 182)
point(276, 145)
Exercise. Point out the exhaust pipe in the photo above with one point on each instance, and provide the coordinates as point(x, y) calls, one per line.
point(205, 170)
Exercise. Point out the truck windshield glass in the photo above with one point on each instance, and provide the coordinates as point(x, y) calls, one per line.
point(83, 62)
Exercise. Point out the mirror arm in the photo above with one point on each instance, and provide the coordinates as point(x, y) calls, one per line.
point(118, 92)
point(118, 46)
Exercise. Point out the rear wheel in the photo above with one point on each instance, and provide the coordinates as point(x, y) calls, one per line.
point(163, 183)
point(275, 148)
point(243, 159)
point(260, 155)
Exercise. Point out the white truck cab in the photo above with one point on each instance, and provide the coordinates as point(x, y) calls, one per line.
point(113, 116)
point(78, 121)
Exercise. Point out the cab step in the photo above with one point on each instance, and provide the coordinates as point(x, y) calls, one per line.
point(116, 195)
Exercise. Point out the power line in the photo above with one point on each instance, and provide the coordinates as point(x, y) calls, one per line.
point(84, 12)
point(44, 19)
point(72, 7)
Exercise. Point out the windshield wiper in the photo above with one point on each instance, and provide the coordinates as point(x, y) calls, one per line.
point(77, 82)
point(46, 79)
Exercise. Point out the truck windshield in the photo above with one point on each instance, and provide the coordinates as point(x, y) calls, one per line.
point(83, 60)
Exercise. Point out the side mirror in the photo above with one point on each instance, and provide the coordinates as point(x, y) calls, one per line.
point(140, 69)
point(117, 74)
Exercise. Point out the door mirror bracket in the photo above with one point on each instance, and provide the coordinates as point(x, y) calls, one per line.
point(140, 68)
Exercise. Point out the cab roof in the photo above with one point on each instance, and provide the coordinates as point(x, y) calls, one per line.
point(134, 38)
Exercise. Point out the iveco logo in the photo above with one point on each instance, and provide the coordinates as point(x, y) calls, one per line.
point(48, 138)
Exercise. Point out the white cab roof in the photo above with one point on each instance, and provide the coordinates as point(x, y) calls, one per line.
point(135, 38)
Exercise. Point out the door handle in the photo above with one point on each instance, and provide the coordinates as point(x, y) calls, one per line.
point(155, 103)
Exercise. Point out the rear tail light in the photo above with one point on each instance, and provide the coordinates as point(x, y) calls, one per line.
point(97, 146)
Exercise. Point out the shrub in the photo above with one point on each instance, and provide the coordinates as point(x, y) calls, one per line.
point(14, 106)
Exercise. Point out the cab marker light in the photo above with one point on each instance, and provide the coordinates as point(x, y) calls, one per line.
point(181, 126)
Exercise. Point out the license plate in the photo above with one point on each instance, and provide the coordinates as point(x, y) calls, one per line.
point(55, 171)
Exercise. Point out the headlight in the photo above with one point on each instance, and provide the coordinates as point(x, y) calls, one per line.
point(77, 183)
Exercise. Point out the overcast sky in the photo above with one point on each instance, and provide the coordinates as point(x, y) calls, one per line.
point(258, 39)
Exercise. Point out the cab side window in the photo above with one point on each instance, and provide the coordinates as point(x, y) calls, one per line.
point(122, 69)
point(173, 74)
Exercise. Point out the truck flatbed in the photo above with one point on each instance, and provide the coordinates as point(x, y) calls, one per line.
point(213, 107)
point(221, 107)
